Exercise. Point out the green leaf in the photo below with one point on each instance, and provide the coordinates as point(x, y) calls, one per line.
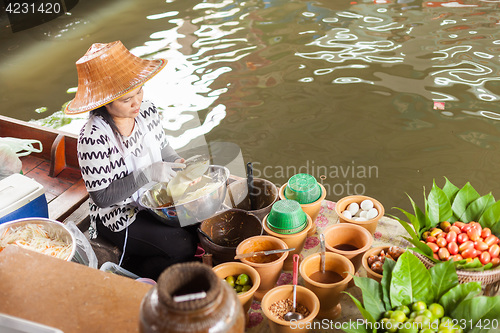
point(458, 294)
point(360, 327)
point(490, 218)
point(444, 277)
point(411, 218)
point(410, 282)
point(421, 218)
point(450, 190)
point(476, 208)
point(464, 197)
point(372, 296)
point(388, 267)
point(415, 240)
point(438, 205)
point(478, 311)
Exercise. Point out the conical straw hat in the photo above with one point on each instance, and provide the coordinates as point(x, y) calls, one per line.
point(106, 72)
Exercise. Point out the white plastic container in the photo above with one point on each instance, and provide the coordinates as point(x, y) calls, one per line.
point(15, 324)
point(21, 197)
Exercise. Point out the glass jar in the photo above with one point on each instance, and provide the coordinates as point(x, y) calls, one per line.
point(189, 297)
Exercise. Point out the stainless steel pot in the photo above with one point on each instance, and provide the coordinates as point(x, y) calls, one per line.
point(157, 201)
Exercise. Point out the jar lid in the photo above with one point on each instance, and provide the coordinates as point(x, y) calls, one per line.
point(181, 286)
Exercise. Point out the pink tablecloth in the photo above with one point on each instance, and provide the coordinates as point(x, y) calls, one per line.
point(388, 232)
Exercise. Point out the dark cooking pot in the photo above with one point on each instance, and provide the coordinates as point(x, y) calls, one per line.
point(227, 230)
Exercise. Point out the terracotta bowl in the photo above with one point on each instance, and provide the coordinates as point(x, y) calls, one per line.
point(373, 251)
point(296, 240)
point(351, 234)
point(305, 297)
point(235, 268)
point(369, 225)
point(269, 271)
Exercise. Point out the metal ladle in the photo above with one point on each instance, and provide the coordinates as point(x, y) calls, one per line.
point(293, 315)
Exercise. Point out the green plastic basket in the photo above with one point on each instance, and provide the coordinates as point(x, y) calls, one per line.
point(303, 188)
point(286, 217)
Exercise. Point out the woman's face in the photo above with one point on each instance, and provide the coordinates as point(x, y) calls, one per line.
point(127, 106)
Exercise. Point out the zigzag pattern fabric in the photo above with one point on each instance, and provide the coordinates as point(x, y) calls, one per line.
point(101, 162)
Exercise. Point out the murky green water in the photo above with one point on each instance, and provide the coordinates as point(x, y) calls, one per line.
point(374, 97)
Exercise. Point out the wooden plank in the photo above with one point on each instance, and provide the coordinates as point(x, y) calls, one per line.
point(62, 206)
point(10, 127)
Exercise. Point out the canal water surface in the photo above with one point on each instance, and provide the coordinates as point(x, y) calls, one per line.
point(371, 97)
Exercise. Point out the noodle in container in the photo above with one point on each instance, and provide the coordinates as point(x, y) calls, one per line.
point(42, 235)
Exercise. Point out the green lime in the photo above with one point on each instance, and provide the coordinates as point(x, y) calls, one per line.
point(408, 327)
point(246, 288)
point(387, 314)
point(423, 321)
point(230, 280)
point(419, 305)
point(445, 330)
point(427, 330)
point(404, 308)
point(392, 326)
point(399, 316)
point(426, 313)
point(243, 279)
point(238, 288)
point(413, 314)
point(437, 310)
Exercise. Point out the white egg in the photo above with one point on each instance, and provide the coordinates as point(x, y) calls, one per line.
point(372, 213)
point(353, 208)
point(367, 204)
point(363, 213)
point(360, 219)
point(347, 214)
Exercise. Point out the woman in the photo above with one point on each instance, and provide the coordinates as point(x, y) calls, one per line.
point(122, 149)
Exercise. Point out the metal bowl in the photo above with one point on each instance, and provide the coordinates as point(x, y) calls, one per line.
point(53, 227)
point(157, 201)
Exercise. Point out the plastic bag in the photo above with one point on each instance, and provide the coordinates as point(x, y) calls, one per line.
point(21, 147)
point(84, 253)
point(11, 164)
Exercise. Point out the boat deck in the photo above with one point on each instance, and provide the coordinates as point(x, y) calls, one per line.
point(64, 193)
point(56, 167)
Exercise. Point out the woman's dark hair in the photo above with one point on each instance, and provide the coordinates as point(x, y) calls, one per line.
point(103, 112)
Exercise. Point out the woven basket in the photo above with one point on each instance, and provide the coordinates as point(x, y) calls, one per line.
point(485, 277)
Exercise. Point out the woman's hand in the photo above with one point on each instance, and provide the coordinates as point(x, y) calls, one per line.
point(162, 172)
point(180, 160)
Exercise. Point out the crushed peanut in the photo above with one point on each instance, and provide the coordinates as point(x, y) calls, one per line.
point(282, 307)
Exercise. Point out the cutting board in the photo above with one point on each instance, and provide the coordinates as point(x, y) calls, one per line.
point(67, 295)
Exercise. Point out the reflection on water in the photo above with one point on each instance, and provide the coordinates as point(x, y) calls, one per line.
point(408, 89)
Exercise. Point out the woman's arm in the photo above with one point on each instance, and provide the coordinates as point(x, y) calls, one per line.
point(119, 189)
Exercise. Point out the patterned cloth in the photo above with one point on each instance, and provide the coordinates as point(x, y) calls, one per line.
point(388, 232)
point(102, 159)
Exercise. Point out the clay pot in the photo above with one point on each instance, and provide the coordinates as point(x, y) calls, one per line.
point(269, 272)
point(329, 294)
point(237, 196)
point(311, 209)
point(217, 310)
point(227, 230)
point(235, 268)
point(373, 251)
point(304, 296)
point(351, 235)
point(295, 240)
point(369, 225)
